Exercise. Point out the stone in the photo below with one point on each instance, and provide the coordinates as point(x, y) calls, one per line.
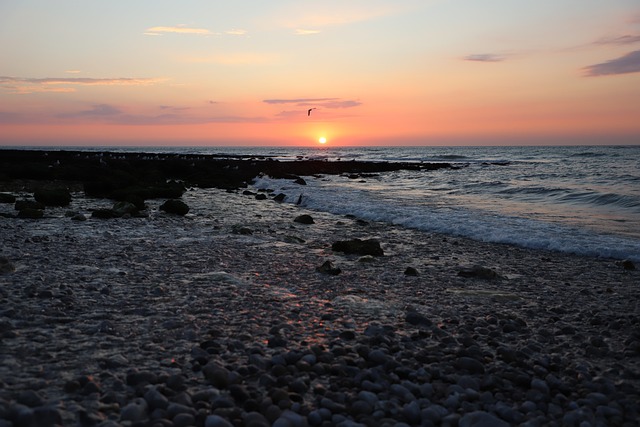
point(103, 214)
point(175, 206)
point(216, 421)
point(45, 416)
point(328, 268)
point(469, 364)
point(358, 247)
point(481, 419)
point(627, 264)
point(53, 196)
point(280, 197)
point(410, 271)
point(478, 272)
point(7, 198)
point(304, 219)
point(6, 266)
point(28, 204)
point(155, 399)
point(29, 213)
point(124, 208)
point(415, 318)
point(217, 375)
point(135, 411)
point(184, 420)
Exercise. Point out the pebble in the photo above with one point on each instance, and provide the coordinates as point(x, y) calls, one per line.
point(174, 343)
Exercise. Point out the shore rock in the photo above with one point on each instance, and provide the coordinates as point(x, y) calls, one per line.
point(358, 247)
point(6, 266)
point(175, 206)
point(53, 196)
point(478, 272)
point(28, 204)
point(328, 268)
point(7, 198)
point(29, 213)
point(304, 219)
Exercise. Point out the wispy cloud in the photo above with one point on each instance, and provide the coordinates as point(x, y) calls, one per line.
point(238, 58)
point(485, 57)
point(22, 85)
point(299, 101)
point(620, 40)
point(100, 110)
point(302, 32)
point(629, 63)
point(304, 103)
point(113, 115)
point(236, 32)
point(179, 29)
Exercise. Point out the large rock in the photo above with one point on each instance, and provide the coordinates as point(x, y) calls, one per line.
point(29, 213)
point(359, 247)
point(28, 204)
point(7, 198)
point(304, 219)
point(53, 196)
point(175, 206)
point(124, 208)
point(478, 272)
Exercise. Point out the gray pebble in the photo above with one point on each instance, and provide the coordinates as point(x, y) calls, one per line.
point(481, 419)
point(216, 421)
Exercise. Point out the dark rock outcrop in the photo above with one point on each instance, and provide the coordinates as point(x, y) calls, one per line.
point(174, 206)
point(7, 198)
point(304, 219)
point(358, 247)
point(53, 196)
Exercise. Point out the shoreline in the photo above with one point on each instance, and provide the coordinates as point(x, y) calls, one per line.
point(221, 315)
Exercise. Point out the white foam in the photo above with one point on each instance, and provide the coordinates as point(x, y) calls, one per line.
point(339, 196)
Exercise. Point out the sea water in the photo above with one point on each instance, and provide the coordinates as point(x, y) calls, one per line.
point(583, 200)
point(577, 199)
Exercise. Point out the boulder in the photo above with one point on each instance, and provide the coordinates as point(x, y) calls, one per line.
point(103, 214)
point(359, 247)
point(410, 271)
point(6, 266)
point(29, 213)
point(478, 272)
point(53, 196)
point(28, 204)
point(175, 206)
point(328, 268)
point(7, 198)
point(124, 208)
point(304, 219)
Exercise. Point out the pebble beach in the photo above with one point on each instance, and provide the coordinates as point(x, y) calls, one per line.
point(237, 314)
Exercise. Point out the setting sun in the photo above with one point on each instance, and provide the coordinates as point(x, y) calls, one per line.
point(322, 140)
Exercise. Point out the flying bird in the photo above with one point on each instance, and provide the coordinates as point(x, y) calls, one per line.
point(309, 111)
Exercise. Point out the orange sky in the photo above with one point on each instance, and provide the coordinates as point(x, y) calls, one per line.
point(376, 72)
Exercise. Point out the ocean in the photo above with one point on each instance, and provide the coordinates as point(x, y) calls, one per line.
point(583, 200)
point(578, 199)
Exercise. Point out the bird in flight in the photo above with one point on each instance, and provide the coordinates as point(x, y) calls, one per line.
point(309, 111)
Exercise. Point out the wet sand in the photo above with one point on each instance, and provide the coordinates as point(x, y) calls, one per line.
point(221, 318)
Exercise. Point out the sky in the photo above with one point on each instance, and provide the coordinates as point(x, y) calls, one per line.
point(374, 72)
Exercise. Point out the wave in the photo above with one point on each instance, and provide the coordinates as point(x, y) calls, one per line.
point(458, 220)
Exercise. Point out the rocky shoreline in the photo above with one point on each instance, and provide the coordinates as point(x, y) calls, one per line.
point(224, 316)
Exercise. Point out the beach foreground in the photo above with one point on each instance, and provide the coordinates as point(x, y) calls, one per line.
point(224, 316)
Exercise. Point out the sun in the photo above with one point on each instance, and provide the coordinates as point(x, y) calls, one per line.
point(322, 140)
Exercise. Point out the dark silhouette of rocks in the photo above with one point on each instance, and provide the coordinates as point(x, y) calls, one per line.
point(134, 177)
point(304, 219)
point(53, 196)
point(7, 198)
point(174, 206)
point(358, 247)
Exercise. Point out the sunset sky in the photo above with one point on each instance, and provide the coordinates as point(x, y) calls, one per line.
point(377, 72)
